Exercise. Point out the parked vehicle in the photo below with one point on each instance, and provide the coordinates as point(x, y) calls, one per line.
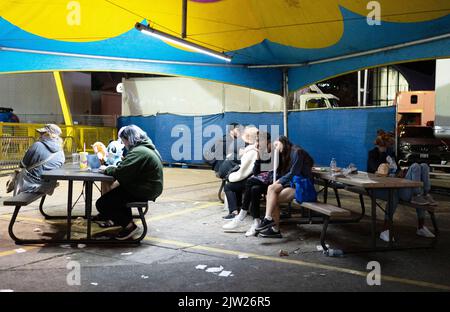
point(315, 101)
point(418, 144)
point(7, 115)
point(415, 107)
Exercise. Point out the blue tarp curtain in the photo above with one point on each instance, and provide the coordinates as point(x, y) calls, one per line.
point(345, 134)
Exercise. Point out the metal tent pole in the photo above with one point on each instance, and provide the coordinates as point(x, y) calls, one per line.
point(359, 88)
point(366, 73)
point(285, 96)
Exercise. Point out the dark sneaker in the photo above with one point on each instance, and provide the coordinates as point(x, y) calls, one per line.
point(264, 225)
point(229, 216)
point(126, 232)
point(270, 233)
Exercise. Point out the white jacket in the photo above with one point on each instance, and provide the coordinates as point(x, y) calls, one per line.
point(246, 167)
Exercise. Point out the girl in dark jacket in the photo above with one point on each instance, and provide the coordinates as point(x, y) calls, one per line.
point(293, 161)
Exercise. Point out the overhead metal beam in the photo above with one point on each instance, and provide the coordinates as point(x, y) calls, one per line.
point(352, 55)
point(115, 58)
point(184, 19)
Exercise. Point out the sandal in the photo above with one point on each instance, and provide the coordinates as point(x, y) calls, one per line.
point(105, 224)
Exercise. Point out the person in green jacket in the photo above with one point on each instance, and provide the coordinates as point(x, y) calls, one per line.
point(140, 177)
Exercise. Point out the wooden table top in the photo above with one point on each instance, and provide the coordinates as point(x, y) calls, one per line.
point(73, 172)
point(366, 180)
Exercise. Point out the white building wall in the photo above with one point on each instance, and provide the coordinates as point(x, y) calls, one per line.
point(184, 96)
point(443, 92)
point(29, 93)
point(36, 94)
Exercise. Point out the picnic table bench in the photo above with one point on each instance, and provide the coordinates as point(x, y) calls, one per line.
point(71, 174)
point(330, 213)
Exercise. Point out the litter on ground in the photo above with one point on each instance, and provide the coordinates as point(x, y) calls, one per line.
point(201, 266)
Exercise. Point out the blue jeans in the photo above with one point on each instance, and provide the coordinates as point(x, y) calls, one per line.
point(416, 172)
point(419, 173)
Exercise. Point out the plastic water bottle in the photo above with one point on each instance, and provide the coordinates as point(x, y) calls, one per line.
point(333, 165)
point(334, 253)
point(392, 166)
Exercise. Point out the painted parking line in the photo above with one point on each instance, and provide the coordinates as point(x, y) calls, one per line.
point(155, 218)
point(184, 211)
point(296, 262)
point(262, 257)
point(191, 185)
point(13, 251)
point(82, 229)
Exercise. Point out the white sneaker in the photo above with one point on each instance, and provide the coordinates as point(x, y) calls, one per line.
point(425, 232)
point(430, 200)
point(235, 226)
point(419, 200)
point(384, 236)
point(251, 231)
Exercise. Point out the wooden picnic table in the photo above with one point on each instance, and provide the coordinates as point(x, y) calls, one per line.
point(369, 182)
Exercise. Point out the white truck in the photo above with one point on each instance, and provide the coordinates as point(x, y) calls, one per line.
point(314, 101)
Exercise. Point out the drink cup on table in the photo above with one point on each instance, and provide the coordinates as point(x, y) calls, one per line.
point(83, 160)
point(75, 158)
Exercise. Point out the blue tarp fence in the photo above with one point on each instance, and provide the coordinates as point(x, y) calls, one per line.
point(345, 134)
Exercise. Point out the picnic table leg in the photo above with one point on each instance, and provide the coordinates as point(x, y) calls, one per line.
point(325, 191)
point(390, 215)
point(41, 208)
point(323, 234)
point(69, 209)
point(88, 207)
point(374, 219)
point(433, 220)
point(11, 225)
point(336, 194)
point(219, 194)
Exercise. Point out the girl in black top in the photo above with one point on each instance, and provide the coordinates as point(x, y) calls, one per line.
point(293, 161)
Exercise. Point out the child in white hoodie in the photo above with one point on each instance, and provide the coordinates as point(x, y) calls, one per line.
point(236, 180)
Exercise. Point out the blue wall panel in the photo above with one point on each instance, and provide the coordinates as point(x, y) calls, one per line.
point(345, 134)
point(161, 126)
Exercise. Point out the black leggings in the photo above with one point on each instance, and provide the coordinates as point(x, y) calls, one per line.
point(233, 191)
point(254, 189)
point(112, 206)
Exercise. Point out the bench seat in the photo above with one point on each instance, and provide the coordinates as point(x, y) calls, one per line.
point(326, 209)
point(22, 199)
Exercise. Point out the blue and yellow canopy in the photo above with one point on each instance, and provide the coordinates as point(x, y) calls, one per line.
point(38, 35)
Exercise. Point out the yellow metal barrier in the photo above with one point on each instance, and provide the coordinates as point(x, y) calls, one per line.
point(12, 151)
point(15, 138)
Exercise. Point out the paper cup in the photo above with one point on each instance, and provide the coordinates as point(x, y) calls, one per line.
point(83, 160)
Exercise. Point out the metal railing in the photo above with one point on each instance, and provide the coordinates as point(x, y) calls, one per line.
point(88, 120)
point(16, 138)
point(12, 151)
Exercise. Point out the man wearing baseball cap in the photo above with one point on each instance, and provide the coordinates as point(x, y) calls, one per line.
point(45, 154)
point(50, 129)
